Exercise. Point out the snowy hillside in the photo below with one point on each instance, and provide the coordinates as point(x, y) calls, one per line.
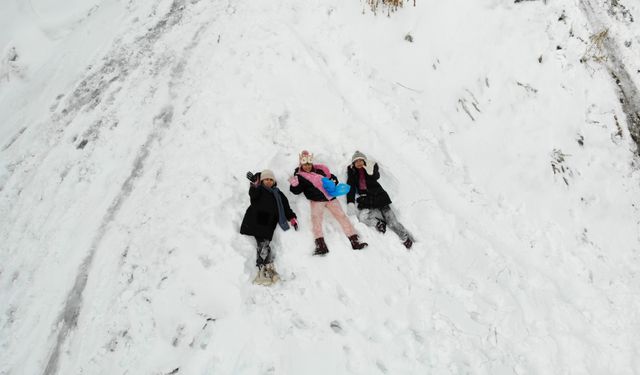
point(505, 136)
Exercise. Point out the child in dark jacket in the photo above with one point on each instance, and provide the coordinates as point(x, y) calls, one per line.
point(307, 179)
point(373, 201)
point(269, 207)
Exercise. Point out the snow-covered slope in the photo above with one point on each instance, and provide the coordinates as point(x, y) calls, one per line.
point(126, 130)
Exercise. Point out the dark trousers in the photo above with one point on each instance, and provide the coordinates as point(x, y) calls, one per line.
point(371, 216)
point(264, 252)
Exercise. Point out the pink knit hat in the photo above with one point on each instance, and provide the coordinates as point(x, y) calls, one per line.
point(306, 157)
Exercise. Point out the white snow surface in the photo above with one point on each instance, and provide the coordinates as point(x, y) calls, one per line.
point(126, 129)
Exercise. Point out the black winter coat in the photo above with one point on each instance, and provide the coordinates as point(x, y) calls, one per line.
point(261, 217)
point(374, 196)
point(305, 186)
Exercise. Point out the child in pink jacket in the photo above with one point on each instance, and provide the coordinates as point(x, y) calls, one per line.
point(307, 179)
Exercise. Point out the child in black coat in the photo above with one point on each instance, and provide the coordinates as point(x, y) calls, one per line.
point(373, 201)
point(269, 208)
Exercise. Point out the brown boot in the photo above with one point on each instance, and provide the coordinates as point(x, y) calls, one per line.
point(272, 273)
point(321, 247)
point(408, 243)
point(356, 244)
point(261, 277)
point(381, 226)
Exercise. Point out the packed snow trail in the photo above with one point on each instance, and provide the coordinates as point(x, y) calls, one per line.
point(615, 61)
point(122, 191)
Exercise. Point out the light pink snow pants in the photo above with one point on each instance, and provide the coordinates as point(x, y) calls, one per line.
point(317, 211)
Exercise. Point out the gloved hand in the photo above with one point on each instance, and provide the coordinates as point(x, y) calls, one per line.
point(361, 198)
point(351, 209)
point(368, 167)
point(251, 177)
point(294, 223)
point(294, 181)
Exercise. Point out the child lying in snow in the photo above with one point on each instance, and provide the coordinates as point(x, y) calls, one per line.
point(269, 207)
point(373, 201)
point(307, 179)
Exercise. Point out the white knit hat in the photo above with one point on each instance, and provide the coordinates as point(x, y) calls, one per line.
point(358, 156)
point(267, 173)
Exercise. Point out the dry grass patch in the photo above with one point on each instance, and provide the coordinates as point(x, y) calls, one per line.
point(387, 5)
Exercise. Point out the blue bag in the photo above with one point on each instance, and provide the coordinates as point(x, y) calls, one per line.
point(333, 189)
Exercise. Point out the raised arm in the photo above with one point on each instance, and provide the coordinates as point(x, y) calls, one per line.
point(254, 192)
point(294, 183)
point(376, 172)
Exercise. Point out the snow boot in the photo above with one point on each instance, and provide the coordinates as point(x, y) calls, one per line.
point(271, 273)
point(408, 243)
point(261, 277)
point(321, 247)
point(381, 226)
point(356, 244)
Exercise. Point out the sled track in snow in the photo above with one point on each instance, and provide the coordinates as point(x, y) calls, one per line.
point(89, 95)
point(629, 93)
point(69, 316)
point(119, 64)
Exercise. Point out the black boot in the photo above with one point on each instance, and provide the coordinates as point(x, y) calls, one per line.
point(356, 244)
point(408, 243)
point(381, 226)
point(321, 247)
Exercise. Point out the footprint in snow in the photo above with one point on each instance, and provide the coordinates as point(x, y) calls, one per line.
point(201, 340)
point(380, 365)
point(299, 323)
point(178, 336)
point(336, 327)
point(342, 295)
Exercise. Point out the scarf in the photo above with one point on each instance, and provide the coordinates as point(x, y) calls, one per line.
point(282, 219)
point(362, 182)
